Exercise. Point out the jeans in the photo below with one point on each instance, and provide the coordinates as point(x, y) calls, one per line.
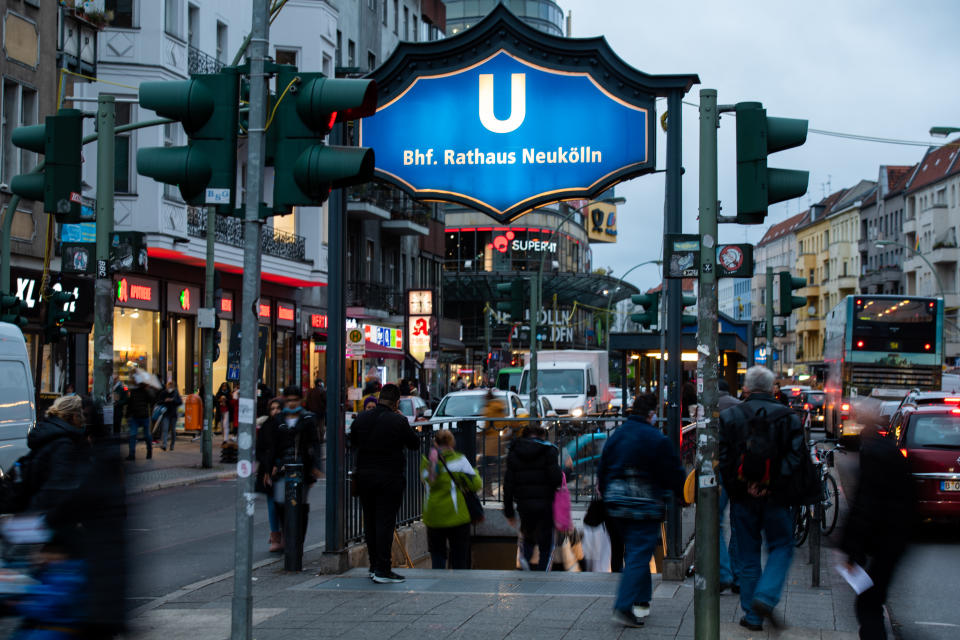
point(380, 497)
point(729, 568)
point(750, 519)
point(536, 526)
point(135, 425)
point(272, 514)
point(459, 539)
point(168, 424)
point(640, 540)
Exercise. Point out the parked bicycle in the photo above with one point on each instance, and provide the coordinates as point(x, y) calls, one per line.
point(829, 500)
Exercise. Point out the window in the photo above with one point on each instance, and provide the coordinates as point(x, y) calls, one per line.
point(351, 53)
point(416, 32)
point(286, 56)
point(396, 17)
point(122, 150)
point(122, 13)
point(326, 66)
point(368, 262)
point(371, 61)
point(193, 26)
point(406, 23)
point(339, 53)
point(171, 17)
point(221, 42)
point(19, 108)
point(28, 116)
point(384, 17)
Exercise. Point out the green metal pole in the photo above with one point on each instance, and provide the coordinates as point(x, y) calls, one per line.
point(206, 448)
point(536, 283)
point(706, 593)
point(769, 310)
point(103, 289)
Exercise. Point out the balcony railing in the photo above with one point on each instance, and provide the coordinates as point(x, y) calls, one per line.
point(200, 62)
point(400, 205)
point(229, 231)
point(374, 296)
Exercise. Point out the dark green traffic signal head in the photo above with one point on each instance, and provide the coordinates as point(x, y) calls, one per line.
point(788, 301)
point(650, 303)
point(322, 101)
point(58, 312)
point(60, 140)
point(189, 101)
point(513, 306)
point(757, 185)
point(11, 310)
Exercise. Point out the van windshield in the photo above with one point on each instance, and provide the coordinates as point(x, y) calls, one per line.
point(555, 381)
point(14, 399)
point(508, 379)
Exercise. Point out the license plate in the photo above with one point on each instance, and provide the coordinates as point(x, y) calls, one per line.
point(950, 485)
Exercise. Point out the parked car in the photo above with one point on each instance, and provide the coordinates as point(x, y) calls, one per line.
point(615, 405)
point(470, 404)
point(929, 437)
point(413, 408)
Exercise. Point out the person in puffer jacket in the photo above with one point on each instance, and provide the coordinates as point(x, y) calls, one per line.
point(445, 511)
point(532, 478)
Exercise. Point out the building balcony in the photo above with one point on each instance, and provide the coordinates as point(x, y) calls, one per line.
point(809, 323)
point(407, 222)
point(200, 62)
point(810, 291)
point(229, 231)
point(373, 201)
point(910, 226)
point(944, 255)
point(847, 282)
point(373, 300)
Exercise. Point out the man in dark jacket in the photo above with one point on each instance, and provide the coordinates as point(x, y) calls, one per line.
point(171, 400)
point(379, 437)
point(879, 524)
point(531, 480)
point(729, 570)
point(138, 416)
point(756, 485)
point(637, 454)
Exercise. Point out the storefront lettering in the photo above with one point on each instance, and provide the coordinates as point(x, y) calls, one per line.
point(127, 291)
point(285, 313)
point(319, 321)
point(25, 288)
point(509, 240)
point(226, 305)
point(185, 299)
point(264, 310)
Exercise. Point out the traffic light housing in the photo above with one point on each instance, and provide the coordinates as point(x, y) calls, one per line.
point(687, 319)
point(307, 107)
point(60, 140)
point(650, 303)
point(217, 337)
point(757, 185)
point(11, 310)
point(58, 312)
point(514, 304)
point(788, 301)
point(206, 105)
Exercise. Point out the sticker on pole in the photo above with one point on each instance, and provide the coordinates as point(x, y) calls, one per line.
point(246, 412)
point(244, 468)
point(217, 196)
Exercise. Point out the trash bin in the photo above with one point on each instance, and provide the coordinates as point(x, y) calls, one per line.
point(192, 413)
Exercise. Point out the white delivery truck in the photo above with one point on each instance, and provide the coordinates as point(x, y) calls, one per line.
point(18, 414)
point(576, 382)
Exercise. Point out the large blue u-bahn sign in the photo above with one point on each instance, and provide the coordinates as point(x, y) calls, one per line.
point(504, 118)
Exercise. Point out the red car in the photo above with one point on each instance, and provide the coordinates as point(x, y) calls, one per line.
point(929, 437)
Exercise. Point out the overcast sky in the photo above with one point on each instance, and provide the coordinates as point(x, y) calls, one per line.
point(884, 68)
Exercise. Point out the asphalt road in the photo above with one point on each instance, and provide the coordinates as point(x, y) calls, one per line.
point(183, 535)
point(923, 600)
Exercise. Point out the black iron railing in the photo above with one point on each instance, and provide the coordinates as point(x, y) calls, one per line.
point(229, 231)
point(200, 62)
point(399, 204)
point(374, 296)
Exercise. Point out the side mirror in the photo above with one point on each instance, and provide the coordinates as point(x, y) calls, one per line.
point(427, 413)
point(592, 391)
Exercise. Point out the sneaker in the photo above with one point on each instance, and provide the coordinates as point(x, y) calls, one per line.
point(387, 578)
point(641, 610)
point(766, 613)
point(749, 625)
point(626, 618)
point(371, 573)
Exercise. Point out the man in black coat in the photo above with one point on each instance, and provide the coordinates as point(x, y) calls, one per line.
point(532, 478)
point(379, 437)
point(879, 524)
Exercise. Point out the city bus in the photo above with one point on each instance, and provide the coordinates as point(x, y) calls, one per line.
point(879, 342)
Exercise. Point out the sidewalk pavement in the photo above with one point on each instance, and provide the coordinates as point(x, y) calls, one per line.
point(481, 605)
point(174, 468)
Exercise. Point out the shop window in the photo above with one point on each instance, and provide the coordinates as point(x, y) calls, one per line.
point(220, 365)
point(136, 341)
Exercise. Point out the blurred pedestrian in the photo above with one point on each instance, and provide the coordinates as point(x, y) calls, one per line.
point(639, 466)
point(266, 437)
point(170, 399)
point(379, 437)
point(879, 524)
point(317, 400)
point(493, 440)
point(729, 569)
point(446, 474)
point(370, 402)
point(531, 481)
point(779, 396)
point(120, 399)
point(138, 416)
point(761, 447)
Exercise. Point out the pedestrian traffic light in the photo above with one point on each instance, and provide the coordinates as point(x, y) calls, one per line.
point(307, 107)
point(60, 140)
point(514, 305)
point(11, 310)
point(788, 301)
point(650, 303)
point(217, 337)
point(206, 106)
point(687, 319)
point(757, 185)
point(58, 312)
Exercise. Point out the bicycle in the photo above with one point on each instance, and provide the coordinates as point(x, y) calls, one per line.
point(829, 500)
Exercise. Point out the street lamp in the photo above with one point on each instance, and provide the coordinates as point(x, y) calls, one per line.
point(536, 293)
point(622, 280)
point(886, 243)
point(943, 132)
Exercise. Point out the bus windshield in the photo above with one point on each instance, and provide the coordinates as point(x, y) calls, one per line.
point(555, 381)
point(905, 325)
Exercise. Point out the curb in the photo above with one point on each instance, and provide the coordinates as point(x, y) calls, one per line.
point(888, 624)
point(182, 482)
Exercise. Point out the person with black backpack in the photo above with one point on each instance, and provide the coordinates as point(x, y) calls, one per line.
point(762, 452)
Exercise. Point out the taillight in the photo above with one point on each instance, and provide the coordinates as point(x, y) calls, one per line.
point(951, 400)
point(806, 406)
point(845, 407)
point(956, 411)
point(903, 452)
point(859, 344)
point(927, 346)
point(882, 434)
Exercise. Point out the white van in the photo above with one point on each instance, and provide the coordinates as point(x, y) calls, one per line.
point(18, 413)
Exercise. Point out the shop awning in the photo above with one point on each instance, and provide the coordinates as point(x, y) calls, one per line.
point(374, 350)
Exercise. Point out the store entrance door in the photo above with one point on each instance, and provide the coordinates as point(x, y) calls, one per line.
point(183, 353)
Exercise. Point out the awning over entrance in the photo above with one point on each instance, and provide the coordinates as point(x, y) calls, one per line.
point(374, 350)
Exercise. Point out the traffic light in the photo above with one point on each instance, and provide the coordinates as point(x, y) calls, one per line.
point(60, 140)
point(757, 185)
point(307, 107)
point(58, 312)
point(650, 303)
point(687, 319)
point(217, 337)
point(514, 305)
point(11, 310)
point(206, 106)
point(788, 301)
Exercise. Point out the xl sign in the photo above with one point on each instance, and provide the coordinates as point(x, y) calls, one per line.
point(507, 134)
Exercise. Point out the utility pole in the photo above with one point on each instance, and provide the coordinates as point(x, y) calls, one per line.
point(241, 622)
point(536, 283)
point(206, 449)
point(769, 309)
point(706, 595)
point(103, 289)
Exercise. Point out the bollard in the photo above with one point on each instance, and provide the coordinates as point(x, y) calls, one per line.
point(816, 518)
point(292, 518)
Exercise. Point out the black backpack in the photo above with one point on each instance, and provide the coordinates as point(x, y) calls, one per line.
point(18, 486)
point(760, 458)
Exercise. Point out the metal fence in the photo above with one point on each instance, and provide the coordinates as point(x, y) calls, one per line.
point(486, 444)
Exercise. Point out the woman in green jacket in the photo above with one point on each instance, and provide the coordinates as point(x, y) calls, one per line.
point(445, 511)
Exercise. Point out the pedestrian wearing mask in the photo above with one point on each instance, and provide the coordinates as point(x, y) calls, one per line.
point(446, 474)
point(639, 467)
point(268, 426)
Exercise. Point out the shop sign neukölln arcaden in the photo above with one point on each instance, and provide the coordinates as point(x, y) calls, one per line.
point(490, 119)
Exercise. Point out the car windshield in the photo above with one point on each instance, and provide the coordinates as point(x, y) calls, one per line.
point(816, 399)
point(889, 408)
point(460, 406)
point(938, 431)
point(555, 381)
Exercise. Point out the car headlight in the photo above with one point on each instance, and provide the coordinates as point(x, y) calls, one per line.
point(576, 412)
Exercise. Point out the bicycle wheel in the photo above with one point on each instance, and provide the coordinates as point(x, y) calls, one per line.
point(801, 523)
point(830, 501)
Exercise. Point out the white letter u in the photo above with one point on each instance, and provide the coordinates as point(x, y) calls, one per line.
point(518, 103)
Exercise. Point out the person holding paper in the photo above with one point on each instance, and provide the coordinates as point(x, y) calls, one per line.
point(878, 526)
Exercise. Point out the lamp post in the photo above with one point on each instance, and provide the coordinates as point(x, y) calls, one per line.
point(622, 280)
point(886, 243)
point(536, 292)
point(943, 132)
